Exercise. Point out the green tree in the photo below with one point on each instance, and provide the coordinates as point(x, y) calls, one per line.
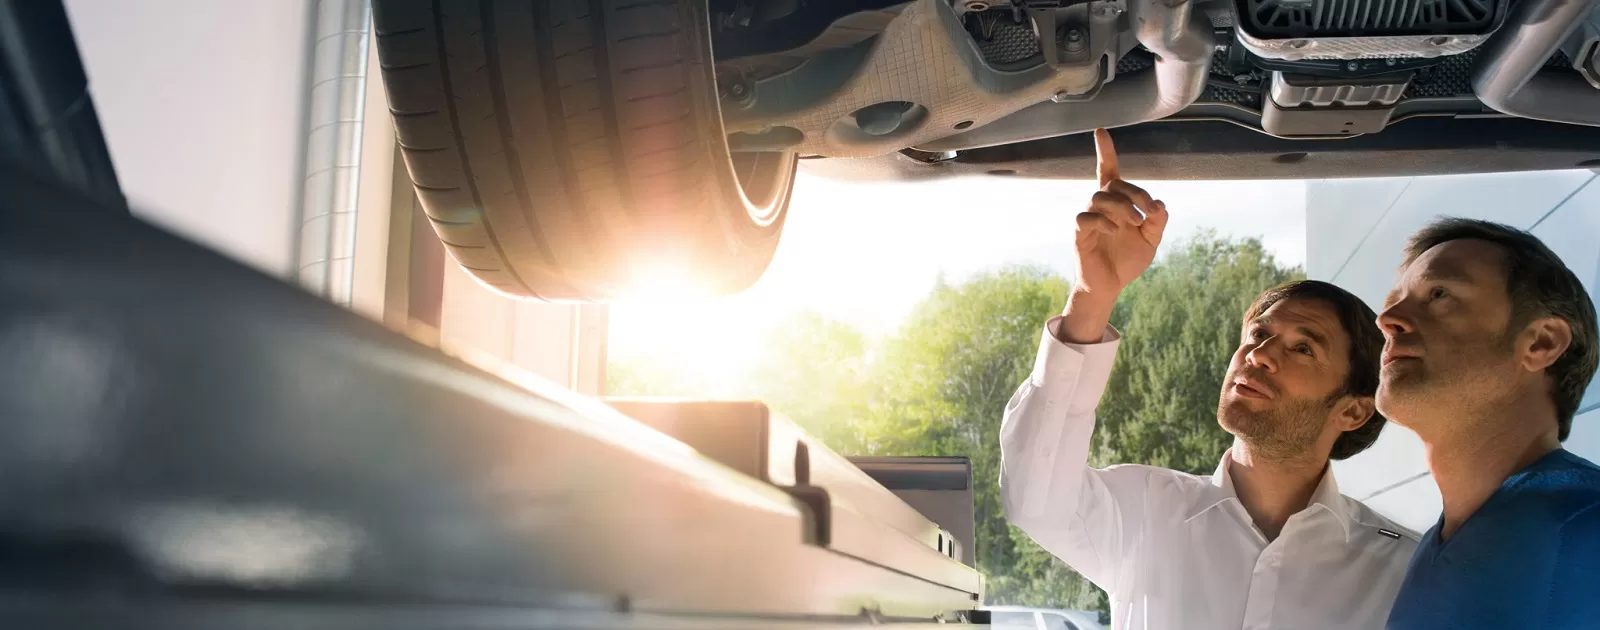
point(945, 380)
point(816, 374)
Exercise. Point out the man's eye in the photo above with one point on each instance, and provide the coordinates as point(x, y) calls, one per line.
point(1303, 349)
point(1258, 334)
point(1438, 293)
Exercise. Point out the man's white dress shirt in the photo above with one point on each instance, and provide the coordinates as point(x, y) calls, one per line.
point(1177, 551)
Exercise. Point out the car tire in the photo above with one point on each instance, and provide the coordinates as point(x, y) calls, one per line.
point(574, 149)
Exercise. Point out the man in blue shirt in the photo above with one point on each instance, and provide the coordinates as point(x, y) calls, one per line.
point(1490, 342)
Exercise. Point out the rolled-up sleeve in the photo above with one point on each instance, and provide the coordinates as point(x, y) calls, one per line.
point(1080, 514)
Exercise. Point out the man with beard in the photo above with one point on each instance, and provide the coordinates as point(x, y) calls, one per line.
point(1265, 542)
point(1491, 342)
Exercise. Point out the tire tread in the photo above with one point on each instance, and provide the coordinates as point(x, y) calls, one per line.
point(547, 139)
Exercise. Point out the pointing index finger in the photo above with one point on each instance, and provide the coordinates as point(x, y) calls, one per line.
point(1105, 158)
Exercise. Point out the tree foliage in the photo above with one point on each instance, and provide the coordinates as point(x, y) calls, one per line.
point(818, 377)
point(945, 380)
point(940, 384)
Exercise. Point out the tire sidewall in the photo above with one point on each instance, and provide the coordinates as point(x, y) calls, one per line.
point(739, 246)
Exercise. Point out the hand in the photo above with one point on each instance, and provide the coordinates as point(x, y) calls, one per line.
point(1116, 243)
point(1118, 234)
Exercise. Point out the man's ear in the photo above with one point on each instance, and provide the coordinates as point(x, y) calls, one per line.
point(1353, 412)
point(1543, 342)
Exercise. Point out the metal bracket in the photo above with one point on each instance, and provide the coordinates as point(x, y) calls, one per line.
point(1076, 34)
point(1100, 82)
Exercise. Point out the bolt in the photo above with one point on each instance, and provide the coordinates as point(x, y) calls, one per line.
point(1242, 79)
point(1438, 41)
point(1074, 39)
point(1109, 11)
point(1352, 66)
point(1590, 69)
point(735, 88)
point(1297, 43)
point(1389, 62)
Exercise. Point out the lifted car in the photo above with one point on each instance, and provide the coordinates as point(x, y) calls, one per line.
point(563, 147)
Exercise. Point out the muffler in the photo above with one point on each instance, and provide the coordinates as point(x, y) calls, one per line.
point(1508, 78)
point(1182, 42)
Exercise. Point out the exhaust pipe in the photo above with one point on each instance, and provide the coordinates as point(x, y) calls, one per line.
point(1508, 78)
point(1182, 41)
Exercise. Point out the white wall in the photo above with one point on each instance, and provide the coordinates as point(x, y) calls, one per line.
point(203, 106)
point(1355, 231)
point(202, 103)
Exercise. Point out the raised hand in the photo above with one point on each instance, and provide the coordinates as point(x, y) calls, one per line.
point(1117, 240)
point(1119, 232)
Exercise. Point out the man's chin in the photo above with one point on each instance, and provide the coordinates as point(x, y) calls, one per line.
point(1400, 385)
point(1400, 370)
point(1396, 397)
point(1237, 418)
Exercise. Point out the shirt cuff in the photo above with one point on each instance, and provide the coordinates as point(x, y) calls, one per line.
point(1067, 364)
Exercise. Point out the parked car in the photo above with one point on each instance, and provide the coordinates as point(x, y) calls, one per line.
point(1025, 618)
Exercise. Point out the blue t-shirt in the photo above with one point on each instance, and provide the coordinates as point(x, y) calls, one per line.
point(1529, 558)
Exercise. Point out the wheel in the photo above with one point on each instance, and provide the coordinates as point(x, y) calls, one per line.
point(568, 149)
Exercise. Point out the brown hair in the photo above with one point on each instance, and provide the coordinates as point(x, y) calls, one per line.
point(1538, 284)
point(1366, 347)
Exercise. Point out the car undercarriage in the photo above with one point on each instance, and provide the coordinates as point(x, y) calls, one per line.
point(861, 79)
point(559, 147)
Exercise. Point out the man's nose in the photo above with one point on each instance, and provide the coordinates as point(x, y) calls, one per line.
point(1393, 320)
point(1261, 357)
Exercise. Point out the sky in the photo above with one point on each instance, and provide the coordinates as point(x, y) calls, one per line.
point(865, 254)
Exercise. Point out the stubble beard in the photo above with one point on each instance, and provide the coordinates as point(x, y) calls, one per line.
point(1412, 391)
point(1284, 432)
point(1399, 390)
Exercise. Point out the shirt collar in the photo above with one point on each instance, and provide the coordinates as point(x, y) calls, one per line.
point(1326, 496)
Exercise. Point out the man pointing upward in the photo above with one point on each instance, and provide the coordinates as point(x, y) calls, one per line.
point(1267, 541)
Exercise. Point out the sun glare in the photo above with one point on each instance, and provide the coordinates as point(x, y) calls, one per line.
point(663, 277)
point(670, 317)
